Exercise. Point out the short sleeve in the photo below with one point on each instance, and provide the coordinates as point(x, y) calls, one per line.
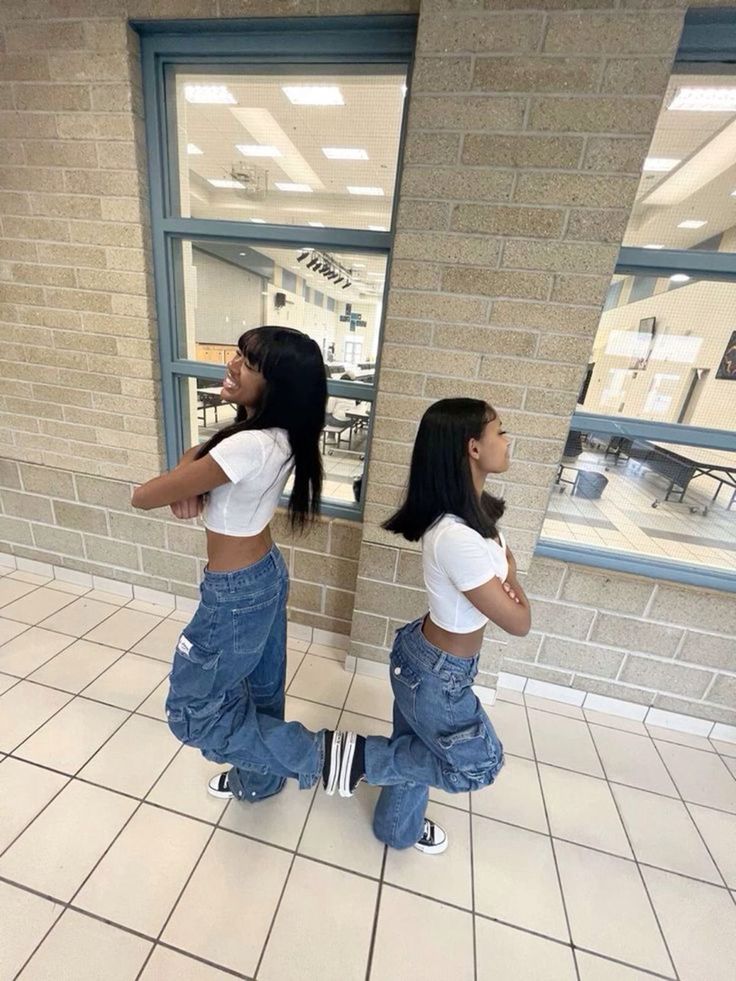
point(463, 556)
point(241, 455)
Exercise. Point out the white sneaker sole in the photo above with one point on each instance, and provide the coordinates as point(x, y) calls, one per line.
point(334, 772)
point(346, 765)
point(437, 849)
point(214, 792)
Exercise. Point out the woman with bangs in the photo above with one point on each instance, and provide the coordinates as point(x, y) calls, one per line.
point(226, 692)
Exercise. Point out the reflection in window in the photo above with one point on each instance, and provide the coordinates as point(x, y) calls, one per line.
point(290, 149)
point(344, 439)
point(685, 196)
point(647, 497)
point(666, 357)
point(335, 297)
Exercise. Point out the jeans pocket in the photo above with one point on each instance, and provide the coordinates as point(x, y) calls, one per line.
point(474, 753)
point(405, 682)
point(194, 670)
point(252, 624)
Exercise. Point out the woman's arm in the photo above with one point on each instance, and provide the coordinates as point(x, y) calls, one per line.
point(505, 603)
point(183, 482)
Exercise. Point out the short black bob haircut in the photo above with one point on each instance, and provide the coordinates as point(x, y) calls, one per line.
point(440, 480)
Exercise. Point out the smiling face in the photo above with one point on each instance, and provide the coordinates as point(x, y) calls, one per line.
point(490, 452)
point(243, 384)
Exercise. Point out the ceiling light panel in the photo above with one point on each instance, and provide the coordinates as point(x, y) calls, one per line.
point(293, 188)
point(374, 192)
point(257, 150)
point(660, 164)
point(216, 182)
point(344, 153)
point(210, 95)
point(692, 223)
point(193, 150)
point(696, 98)
point(313, 95)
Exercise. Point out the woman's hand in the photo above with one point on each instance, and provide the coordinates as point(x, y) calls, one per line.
point(510, 592)
point(189, 507)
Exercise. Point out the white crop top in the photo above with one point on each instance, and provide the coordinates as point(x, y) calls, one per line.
point(456, 558)
point(258, 464)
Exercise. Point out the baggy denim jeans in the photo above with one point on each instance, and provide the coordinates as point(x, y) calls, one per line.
point(226, 687)
point(434, 701)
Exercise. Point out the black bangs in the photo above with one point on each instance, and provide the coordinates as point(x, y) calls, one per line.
point(251, 345)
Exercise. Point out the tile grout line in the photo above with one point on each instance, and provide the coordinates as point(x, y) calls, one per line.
point(376, 912)
point(295, 850)
point(552, 843)
point(695, 824)
point(471, 829)
point(633, 851)
point(143, 936)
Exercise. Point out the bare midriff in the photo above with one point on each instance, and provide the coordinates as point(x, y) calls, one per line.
point(226, 553)
point(460, 645)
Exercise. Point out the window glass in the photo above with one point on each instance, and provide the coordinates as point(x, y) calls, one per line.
point(317, 149)
point(687, 193)
point(666, 353)
point(335, 297)
point(344, 439)
point(647, 497)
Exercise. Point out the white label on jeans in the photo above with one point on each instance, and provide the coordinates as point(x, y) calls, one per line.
point(184, 645)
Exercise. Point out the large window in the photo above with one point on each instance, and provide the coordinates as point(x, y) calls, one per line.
point(647, 480)
point(274, 151)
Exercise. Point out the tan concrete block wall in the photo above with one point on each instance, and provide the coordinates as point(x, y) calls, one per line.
point(86, 524)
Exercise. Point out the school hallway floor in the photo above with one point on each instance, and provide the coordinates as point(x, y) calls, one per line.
point(605, 850)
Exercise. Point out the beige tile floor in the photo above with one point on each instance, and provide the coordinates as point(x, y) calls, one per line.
point(605, 852)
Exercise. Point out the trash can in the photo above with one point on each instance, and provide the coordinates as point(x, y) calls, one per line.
point(590, 485)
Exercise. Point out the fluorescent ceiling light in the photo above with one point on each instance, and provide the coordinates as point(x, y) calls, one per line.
point(313, 95)
point(256, 150)
point(296, 188)
point(653, 246)
point(193, 150)
point(697, 98)
point(733, 194)
point(692, 223)
point(223, 183)
point(209, 95)
point(344, 153)
point(316, 224)
point(660, 164)
point(258, 221)
point(377, 228)
point(374, 192)
point(404, 89)
point(679, 278)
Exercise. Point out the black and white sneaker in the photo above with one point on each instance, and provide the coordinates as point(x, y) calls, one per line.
point(433, 840)
point(218, 786)
point(344, 765)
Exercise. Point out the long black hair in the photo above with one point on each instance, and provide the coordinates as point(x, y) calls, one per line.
point(294, 399)
point(440, 479)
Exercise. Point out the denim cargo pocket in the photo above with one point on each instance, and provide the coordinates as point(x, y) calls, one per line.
point(472, 752)
point(194, 669)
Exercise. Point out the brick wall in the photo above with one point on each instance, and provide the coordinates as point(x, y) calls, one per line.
point(85, 523)
point(528, 125)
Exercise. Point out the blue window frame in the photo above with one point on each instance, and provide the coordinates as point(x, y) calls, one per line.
point(268, 46)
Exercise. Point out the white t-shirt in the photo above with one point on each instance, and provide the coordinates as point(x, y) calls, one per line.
point(257, 463)
point(455, 559)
